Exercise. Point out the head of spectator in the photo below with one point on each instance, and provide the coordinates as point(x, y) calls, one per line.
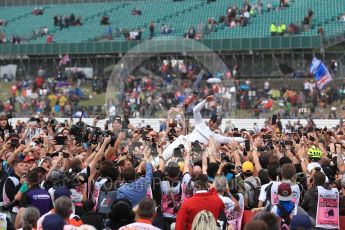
point(247, 169)
point(121, 214)
point(288, 172)
point(32, 178)
point(256, 225)
point(3, 121)
point(117, 124)
point(301, 222)
point(123, 163)
point(272, 221)
point(147, 209)
point(128, 174)
point(173, 171)
point(221, 184)
point(53, 222)
point(63, 206)
point(204, 220)
point(46, 163)
point(20, 168)
point(319, 179)
point(29, 218)
point(108, 170)
point(201, 182)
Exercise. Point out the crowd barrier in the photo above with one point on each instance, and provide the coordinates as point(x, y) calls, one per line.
point(238, 123)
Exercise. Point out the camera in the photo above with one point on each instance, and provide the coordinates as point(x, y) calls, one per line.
point(196, 147)
point(178, 151)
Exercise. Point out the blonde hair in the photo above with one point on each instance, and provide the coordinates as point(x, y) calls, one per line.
point(204, 220)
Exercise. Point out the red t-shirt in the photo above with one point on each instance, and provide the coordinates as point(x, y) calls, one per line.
point(208, 201)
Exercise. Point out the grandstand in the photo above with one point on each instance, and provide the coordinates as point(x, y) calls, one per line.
point(180, 15)
point(89, 40)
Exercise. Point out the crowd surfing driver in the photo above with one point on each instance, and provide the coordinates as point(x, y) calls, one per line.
point(202, 132)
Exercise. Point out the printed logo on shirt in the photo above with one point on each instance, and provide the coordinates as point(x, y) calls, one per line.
point(41, 197)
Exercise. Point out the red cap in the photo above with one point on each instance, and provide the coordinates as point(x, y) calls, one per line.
point(29, 158)
point(284, 192)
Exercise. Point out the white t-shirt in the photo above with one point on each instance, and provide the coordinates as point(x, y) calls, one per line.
point(228, 203)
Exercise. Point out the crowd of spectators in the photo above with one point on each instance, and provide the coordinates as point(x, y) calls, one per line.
point(180, 84)
point(66, 21)
point(65, 175)
point(46, 95)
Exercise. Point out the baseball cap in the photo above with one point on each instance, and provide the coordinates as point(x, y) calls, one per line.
point(300, 222)
point(247, 166)
point(61, 191)
point(284, 192)
point(53, 222)
point(45, 159)
point(28, 158)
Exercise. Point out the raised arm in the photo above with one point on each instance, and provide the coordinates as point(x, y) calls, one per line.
point(196, 112)
point(198, 108)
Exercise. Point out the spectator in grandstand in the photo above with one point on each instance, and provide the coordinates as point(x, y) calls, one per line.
point(3, 38)
point(78, 21)
point(60, 22)
point(306, 23)
point(190, 33)
point(66, 21)
point(165, 29)
point(56, 20)
point(72, 19)
point(44, 31)
point(151, 29)
point(37, 11)
point(105, 20)
point(3, 22)
point(292, 29)
point(136, 12)
point(321, 31)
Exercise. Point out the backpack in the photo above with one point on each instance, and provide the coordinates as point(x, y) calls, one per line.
point(256, 190)
point(285, 217)
point(106, 199)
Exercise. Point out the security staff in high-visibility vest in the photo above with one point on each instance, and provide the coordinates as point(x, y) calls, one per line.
point(273, 29)
point(279, 30)
point(283, 27)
